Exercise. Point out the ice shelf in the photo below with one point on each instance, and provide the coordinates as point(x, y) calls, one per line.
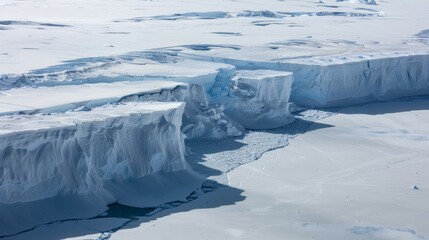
point(79, 152)
point(97, 99)
point(141, 66)
point(31, 100)
point(347, 79)
point(351, 80)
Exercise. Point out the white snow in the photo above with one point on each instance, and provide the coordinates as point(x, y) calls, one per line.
point(38, 36)
point(63, 98)
point(147, 66)
point(97, 99)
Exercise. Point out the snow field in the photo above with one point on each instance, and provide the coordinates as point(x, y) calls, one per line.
point(97, 98)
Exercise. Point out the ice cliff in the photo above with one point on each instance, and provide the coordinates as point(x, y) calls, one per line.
point(353, 81)
point(72, 165)
point(342, 80)
point(111, 132)
point(78, 152)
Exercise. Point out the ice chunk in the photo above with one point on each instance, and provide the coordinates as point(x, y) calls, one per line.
point(258, 99)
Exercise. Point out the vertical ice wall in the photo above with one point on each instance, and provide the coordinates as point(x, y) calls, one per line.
point(344, 80)
point(258, 99)
point(80, 152)
point(359, 81)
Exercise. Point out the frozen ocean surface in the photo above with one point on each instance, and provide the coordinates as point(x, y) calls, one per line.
point(114, 114)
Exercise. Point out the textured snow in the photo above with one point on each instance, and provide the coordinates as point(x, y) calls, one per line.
point(97, 99)
point(59, 31)
point(141, 66)
point(203, 120)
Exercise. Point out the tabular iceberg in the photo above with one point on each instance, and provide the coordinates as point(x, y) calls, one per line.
point(78, 152)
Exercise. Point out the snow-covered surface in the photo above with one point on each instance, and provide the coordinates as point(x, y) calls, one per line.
point(36, 36)
point(116, 153)
point(341, 52)
point(63, 98)
point(202, 120)
point(349, 176)
point(80, 83)
point(350, 180)
point(352, 81)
